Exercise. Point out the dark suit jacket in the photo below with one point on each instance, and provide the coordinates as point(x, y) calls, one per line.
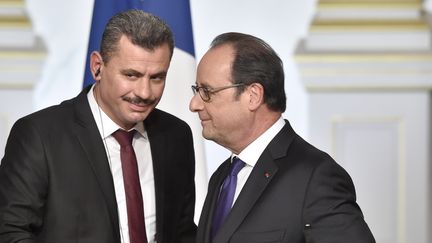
point(56, 185)
point(294, 194)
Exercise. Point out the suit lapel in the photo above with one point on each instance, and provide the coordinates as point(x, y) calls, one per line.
point(158, 142)
point(206, 218)
point(88, 136)
point(247, 198)
point(262, 174)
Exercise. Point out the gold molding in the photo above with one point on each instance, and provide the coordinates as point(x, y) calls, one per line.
point(33, 55)
point(370, 5)
point(370, 1)
point(20, 68)
point(17, 86)
point(326, 72)
point(366, 24)
point(12, 3)
point(14, 21)
point(312, 88)
point(359, 57)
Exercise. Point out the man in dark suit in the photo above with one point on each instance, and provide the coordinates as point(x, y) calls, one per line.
point(63, 176)
point(275, 187)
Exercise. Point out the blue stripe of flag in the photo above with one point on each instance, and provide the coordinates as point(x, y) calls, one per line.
point(176, 13)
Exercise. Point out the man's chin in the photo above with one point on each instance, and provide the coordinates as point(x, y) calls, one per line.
point(138, 117)
point(206, 134)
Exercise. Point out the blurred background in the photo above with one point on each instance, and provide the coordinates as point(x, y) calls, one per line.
point(358, 82)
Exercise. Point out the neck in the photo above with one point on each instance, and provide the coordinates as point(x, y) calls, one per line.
point(259, 125)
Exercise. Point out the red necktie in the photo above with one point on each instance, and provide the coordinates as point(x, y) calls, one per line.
point(134, 201)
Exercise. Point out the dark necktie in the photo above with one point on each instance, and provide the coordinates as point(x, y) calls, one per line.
point(226, 195)
point(134, 200)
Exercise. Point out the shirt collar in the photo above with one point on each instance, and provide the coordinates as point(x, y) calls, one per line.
point(253, 151)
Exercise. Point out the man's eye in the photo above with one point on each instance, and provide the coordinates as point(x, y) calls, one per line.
point(158, 79)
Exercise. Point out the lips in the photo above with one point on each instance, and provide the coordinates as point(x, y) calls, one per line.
point(139, 107)
point(204, 119)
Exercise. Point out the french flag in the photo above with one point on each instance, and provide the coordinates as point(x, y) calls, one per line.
point(181, 75)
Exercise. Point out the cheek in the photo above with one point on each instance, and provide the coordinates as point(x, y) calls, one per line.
point(223, 115)
point(236, 116)
point(116, 87)
point(158, 89)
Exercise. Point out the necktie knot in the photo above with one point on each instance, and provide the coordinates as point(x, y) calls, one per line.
point(236, 166)
point(124, 138)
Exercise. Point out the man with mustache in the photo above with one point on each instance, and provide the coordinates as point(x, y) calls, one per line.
point(105, 166)
point(275, 187)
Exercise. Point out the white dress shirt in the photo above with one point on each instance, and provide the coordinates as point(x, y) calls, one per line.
point(253, 151)
point(141, 146)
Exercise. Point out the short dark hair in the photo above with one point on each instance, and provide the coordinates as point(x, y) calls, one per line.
point(256, 62)
point(141, 28)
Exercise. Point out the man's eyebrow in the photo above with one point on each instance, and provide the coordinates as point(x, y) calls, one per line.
point(203, 85)
point(131, 72)
point(160, 74)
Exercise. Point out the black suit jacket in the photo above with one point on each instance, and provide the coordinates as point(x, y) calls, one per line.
point(56, 185)
point(294, 194)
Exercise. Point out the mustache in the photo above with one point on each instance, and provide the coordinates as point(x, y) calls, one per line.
point(139, 101)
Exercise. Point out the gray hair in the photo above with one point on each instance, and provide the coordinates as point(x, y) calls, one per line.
point(141, 28)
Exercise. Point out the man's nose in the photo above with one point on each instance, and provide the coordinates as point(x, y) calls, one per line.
point(196, 103)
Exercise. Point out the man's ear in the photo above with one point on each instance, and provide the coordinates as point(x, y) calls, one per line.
point(256, 95)
point(96, 64)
